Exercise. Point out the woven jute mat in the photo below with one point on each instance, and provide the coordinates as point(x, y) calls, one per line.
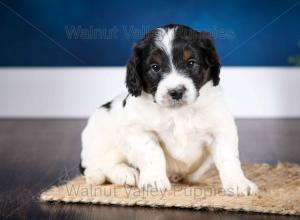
point(279, 192)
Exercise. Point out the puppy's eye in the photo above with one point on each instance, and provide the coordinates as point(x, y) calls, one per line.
point(155, 67)
point(190, 63)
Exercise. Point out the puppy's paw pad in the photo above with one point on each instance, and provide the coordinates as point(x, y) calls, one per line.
point(175, 178)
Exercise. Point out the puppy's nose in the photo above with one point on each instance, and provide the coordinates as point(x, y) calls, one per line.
point(177, 93)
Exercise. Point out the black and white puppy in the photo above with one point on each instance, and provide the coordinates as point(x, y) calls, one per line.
point(172, 125)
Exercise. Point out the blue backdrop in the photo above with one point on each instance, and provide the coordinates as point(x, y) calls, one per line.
point(101, 33)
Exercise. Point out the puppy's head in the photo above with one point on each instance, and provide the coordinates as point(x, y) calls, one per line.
point(172, 63)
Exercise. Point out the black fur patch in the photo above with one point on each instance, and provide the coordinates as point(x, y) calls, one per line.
point(107, 105)
point(81, 168)
point(201, 50)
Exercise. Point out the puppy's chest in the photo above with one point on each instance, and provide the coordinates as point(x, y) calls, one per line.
point(183, 139)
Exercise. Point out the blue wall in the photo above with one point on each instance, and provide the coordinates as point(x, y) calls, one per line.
point(44, 32)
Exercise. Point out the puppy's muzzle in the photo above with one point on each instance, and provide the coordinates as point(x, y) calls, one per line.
point(177, 93)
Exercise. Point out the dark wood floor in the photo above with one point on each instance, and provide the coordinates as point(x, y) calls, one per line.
point(35, 154)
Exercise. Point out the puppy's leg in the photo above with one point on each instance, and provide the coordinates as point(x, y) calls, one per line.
point(111, 166)
point(226, 158)
point(100, 158)
point(195, 176)
point(143, 151)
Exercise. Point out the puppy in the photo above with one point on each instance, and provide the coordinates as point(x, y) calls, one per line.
point(172, 125)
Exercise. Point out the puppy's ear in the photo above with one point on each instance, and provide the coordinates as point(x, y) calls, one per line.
point(211, 58)
point(133, 78)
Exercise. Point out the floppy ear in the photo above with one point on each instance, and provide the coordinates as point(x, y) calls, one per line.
point(133, 79)
point(211, 58)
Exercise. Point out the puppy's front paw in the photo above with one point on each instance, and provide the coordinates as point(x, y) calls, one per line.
point(241, 186)
point(150, 180)
point(94, 176)
point(125, 175)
